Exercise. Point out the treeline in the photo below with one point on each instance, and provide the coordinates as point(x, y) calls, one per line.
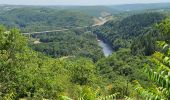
point(145, 44)
point(157, 68)
point(32, 75)
point(75, 67)
point(136, 48)
point(69, 43)
point(28, 74)
point(30, 19)
point(121, 33)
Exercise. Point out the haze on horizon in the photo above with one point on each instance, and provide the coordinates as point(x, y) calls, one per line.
point(78, 2)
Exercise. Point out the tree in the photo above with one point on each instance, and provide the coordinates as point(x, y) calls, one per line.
point(11, 44)
point(159, 69)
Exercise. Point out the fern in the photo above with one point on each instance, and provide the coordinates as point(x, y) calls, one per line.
point(160, 74)
point(109, 97)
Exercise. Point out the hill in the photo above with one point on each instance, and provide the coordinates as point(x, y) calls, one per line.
point(132, 7)
point(38, 19)
point(121, 32)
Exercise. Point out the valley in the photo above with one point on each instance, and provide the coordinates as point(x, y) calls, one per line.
point(106, 48)
point(119, 52)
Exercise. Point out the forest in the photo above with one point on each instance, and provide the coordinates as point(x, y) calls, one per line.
point(69, 43)
point(33, 19)
point(121, 32)
point(70, 65)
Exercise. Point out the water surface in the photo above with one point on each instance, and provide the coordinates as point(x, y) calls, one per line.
point(107, 49)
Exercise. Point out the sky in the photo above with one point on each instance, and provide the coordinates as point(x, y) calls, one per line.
point(78, 2)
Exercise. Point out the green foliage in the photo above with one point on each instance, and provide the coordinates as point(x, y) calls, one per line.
point(158, 70)
point(120, 69)
point(89, 94)
point(110, 97)
point(121, 33)
point(11, 44)
point(160, 74)
point(77, 69)
point(83, 72)
point(30, 19)
point(146, 43)
point(126, 65)
point(69, 43)
point(28, 74)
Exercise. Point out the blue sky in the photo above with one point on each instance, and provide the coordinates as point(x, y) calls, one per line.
point(77, 2)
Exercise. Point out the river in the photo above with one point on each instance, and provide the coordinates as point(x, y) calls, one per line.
point(107, 49)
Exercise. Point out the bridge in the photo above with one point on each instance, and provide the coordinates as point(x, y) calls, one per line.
point(103, 21)
point(59, 30)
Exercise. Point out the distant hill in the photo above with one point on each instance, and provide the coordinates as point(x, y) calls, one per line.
point(129, 7)
point(93, 10)
point(115, 9)
point(97, 10)
point(38, 19)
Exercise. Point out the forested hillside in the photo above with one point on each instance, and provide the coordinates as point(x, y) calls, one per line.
point(137, 7)
point(135, 40)
point(69, 43)
point(30, 19)
point(29, 74)
point(120, 33)
point(146, 43)
point(157, 68)
point(70, 64)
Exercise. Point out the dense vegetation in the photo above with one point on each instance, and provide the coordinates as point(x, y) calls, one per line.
point(69, 43)
point(158, 69)
point(28, 74)
point(121, 33)
point(21, 68)
point(146, 43)
point(30, 19)
point(70, 65)
point(142, 38)
point(120, 69)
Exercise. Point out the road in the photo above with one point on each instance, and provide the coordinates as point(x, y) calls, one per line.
point(102, 21)
point(55, 30)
